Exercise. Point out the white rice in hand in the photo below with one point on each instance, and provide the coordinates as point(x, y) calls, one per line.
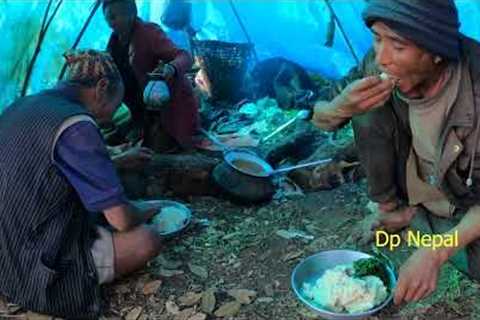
point(384, 76)
point(337, 291)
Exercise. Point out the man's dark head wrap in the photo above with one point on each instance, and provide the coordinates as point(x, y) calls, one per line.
point(430, 24)
point(131, 4)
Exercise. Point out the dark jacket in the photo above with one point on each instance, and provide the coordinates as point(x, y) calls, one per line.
point(149, 46)
point(45, 237)
point(458, 151)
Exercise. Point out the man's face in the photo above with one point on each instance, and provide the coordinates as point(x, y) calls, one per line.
point(108, 103)
point(120, 18)
point(402, 59)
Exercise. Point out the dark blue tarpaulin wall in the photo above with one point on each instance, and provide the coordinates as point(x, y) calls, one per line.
point(294, 29)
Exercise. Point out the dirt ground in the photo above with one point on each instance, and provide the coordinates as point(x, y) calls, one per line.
point(234, 262)
point(239, 266)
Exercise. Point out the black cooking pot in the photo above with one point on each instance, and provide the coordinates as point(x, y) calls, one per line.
point(241, 187)
point(245, 175)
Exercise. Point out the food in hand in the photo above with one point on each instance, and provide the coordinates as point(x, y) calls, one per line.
point(385, 76)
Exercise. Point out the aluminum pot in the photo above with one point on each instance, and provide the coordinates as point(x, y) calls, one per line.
point(240, 187)
point(245, 175)
point(251, 164)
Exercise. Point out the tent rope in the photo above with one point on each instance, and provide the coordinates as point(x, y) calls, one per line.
point(242, 26)
point(80, 35)
point(347, 40)
point(41, 36)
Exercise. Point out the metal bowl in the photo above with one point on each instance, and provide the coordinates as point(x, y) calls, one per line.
point(312, 268)
point(182, 214)
point(248, 163)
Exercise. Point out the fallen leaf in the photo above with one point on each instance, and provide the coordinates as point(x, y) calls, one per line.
point(208, 301)
point(264, 300)
point(190, 299)
point(311, 228)
point(125, 310)
point(141, 281)
point(198, 316)
point(292, 255)
point(172, 307)
point(179, 249)
point(308, 313)
point(37, 316)
point(3, 306)
point(318, 245)
point(292, 234)
point(243, 296)
point(167, 263)
point(123, 289)
point(228, 309)
point(232, 235)
point(185, 314)
point(152, 287)
point(198, 271)
point(13, 308)
point(269, 290)
point(134, 313)
point(169, 273)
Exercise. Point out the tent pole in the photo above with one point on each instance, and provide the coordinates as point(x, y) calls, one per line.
point(45, 15)
point(80, 35)
point(235, 12)
point(43, 30)
point(347, 40)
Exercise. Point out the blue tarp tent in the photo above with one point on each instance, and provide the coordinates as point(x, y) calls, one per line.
point(294, 29)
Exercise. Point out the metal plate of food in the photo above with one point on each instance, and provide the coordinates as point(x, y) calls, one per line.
point(172, 217)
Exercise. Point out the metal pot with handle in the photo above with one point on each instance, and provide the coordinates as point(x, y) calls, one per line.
point(251, 164)
point(244, 169)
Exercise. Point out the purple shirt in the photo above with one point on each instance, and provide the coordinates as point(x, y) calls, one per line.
point(81, 155)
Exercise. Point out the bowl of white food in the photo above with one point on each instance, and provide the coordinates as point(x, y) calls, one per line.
point(172, 217)
point(330, 284)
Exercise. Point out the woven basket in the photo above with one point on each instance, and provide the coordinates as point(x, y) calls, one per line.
point(225, 64)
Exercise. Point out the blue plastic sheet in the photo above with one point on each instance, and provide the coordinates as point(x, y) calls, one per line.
point(294, 29)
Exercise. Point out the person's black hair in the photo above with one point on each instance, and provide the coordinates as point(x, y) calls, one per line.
point(131, 3)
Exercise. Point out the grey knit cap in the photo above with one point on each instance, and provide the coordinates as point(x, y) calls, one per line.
point(430, 24)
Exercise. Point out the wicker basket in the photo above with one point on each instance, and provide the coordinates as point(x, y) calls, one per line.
point(225, 64)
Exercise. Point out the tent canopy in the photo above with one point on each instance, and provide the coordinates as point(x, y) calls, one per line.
point(295, 29)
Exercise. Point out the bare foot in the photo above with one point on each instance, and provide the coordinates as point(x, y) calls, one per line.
point(386, 216)
point(397, 219)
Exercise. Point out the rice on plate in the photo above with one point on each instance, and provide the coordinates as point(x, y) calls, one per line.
point(339, 291)
point(169, 219)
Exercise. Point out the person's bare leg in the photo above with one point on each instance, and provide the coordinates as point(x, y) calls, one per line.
point(133, 249)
